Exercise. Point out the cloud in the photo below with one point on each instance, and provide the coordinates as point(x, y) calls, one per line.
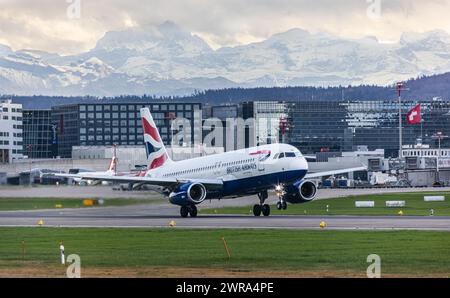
point(45, 24)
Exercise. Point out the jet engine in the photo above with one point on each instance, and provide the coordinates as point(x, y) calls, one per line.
point(300, 192)
point(188, 194)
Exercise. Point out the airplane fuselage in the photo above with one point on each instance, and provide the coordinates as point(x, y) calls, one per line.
point(246, 171)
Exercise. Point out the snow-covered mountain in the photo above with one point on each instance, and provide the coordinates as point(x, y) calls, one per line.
point(167, 60)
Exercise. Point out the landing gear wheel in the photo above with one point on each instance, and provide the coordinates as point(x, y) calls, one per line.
point(284, 205)
point(193, 211)
point(257, 210)
point(184, 211)
point(279, 205)
point(266, 210)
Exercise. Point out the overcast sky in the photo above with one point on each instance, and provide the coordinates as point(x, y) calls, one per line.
point(47, 25)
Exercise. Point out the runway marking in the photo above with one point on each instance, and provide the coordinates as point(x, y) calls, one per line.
point(200, 227)
point(117, 218)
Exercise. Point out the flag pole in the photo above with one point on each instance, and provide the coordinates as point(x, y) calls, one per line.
point(421, 129)
point(400, 88)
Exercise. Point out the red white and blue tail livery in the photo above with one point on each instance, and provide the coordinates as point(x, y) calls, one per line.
point(156, 151)
point(112, 166)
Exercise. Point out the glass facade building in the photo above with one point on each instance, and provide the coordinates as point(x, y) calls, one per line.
point(342, 126)
point(336, 126)
point(267, 116)
point(319, 126)
point(312, 126)
point(108, 124)
point(229, 134)
point(39, 134)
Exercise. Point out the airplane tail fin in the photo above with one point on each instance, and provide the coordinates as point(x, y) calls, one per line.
point(112, 166)
point(157, 155)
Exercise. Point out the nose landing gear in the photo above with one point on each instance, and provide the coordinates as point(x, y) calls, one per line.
point(281, 205)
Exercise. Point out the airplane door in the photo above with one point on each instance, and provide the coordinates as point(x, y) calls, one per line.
point(261, 166)
point(263, 156)
point(218, 170)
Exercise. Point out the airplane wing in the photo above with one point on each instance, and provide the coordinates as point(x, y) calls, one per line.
point(334, 172)
point(310, 158)
point(164, 182)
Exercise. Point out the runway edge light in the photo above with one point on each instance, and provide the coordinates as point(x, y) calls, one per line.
point(40, 223)
point(323, 225)
point(172, 224)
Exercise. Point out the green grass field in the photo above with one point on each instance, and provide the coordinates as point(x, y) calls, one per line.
point(415, 205)
point(405, 253)
point(11, 204)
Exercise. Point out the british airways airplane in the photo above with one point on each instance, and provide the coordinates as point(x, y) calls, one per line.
point(110, 172)
point(252, 171)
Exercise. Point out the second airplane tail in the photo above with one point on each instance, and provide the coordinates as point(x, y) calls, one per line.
point(157, 155)
point(112, 166)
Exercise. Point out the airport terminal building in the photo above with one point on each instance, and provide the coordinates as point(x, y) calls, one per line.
point(312, 126)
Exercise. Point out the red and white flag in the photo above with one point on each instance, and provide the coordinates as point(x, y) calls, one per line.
point(414, 116)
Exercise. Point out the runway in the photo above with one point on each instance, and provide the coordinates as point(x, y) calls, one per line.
point(151, 216)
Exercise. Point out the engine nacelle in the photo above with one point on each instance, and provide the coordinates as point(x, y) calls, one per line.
point(188, 194)
point(300, 192)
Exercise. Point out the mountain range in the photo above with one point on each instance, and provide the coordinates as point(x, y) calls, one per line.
point(168, 60)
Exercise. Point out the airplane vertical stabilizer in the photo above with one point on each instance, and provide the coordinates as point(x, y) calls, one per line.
point(156, 151)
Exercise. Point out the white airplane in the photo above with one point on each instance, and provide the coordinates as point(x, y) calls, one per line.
point(233, 174)
point(84, 177)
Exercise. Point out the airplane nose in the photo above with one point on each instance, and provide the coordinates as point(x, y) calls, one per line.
point(300, 163)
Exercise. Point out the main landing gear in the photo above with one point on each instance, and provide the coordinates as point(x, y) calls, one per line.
point(191, 210)
point(262, 208)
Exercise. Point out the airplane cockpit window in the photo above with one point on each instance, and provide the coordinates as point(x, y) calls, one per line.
point(285, 155)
